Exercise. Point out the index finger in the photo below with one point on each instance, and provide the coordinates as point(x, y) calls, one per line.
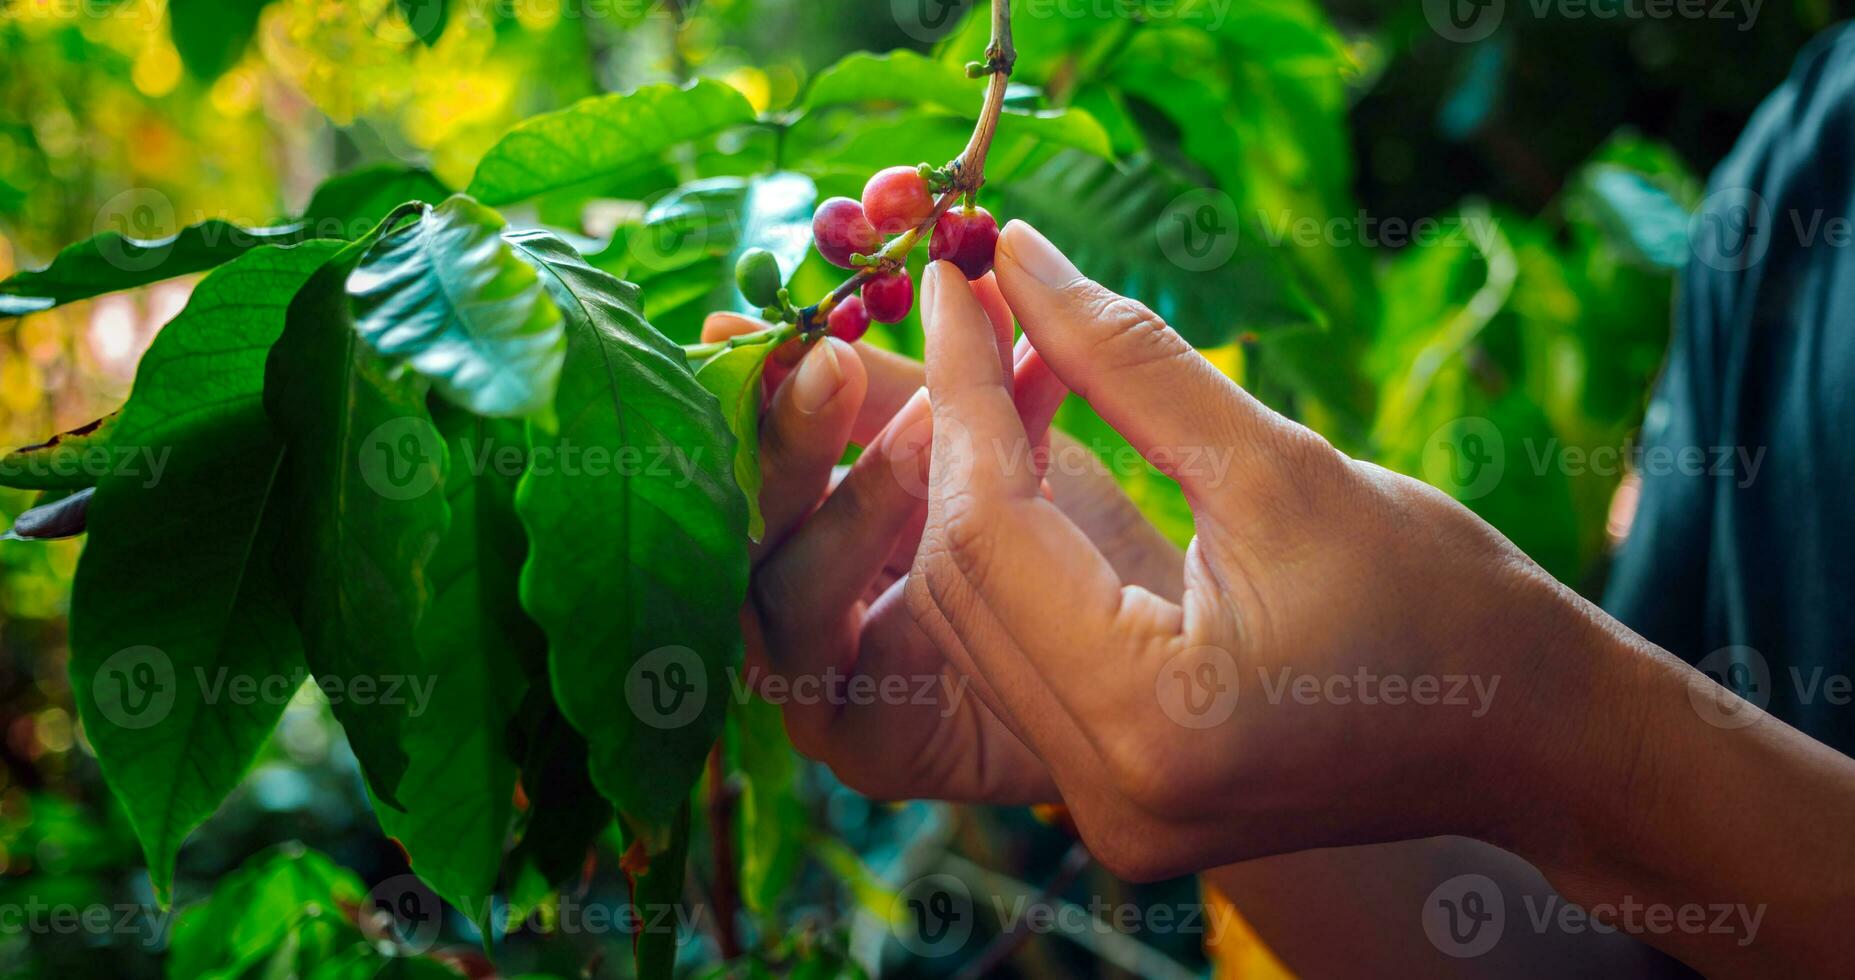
point(1013, 578)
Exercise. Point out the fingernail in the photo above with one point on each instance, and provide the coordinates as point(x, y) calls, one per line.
point(1034, 254)
point(930, 293)
point(818, 378)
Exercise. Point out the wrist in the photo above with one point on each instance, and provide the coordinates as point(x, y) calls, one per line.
point(1673, 812)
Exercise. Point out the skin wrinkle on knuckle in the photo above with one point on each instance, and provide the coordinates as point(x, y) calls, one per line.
point(1135, 336)
point(966, 538)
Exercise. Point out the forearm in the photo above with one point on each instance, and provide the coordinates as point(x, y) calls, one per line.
point(1360, 911)
point(1720, 841)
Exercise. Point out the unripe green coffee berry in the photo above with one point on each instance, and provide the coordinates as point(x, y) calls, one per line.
point(757, 274)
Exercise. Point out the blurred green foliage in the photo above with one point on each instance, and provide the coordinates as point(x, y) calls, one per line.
point(1553, 163)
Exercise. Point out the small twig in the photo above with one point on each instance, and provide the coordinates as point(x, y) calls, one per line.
point(1075, 861)
point(775, 336)
point(725, 891)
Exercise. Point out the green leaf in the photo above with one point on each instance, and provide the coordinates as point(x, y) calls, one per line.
point(901, 77)
point(364, 477)
point(426, 18)
point(1425, 334)
point(770, 810)
point(597, 137)
point(111, 261)
point(1185, 253)
point(733, 377)
point(444, 295)
point(682, 251)
point(67, 461)
point(908, 78)
point(265, 906)
point(212, 35)
point(565, 814)
point(1641, 220)
point(460, 780)
point(176, 595)
point(347, 205)
point(657, 899)
point(637, 567)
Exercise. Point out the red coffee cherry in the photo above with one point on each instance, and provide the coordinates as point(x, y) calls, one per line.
point(896, 199)
point(849, 320)
point(840, 228)
point(965, 237)
point(887, 298)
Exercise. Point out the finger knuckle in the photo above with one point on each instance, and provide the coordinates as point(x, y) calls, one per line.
point(1306, 477)
point(1142, 771)
point(1130, 857)
point(1133, 335)
point(967, 538)
point(918, 597)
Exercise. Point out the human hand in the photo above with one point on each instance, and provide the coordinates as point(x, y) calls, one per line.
point(828, 638)
point(1179, 728)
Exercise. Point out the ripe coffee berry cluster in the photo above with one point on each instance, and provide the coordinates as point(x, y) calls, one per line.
point(896, 200)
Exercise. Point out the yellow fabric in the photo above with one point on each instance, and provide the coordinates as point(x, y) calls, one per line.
point(1234, 949)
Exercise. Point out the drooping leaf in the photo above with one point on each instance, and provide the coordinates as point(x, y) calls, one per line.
point(365, 509)
point(212, 35)
point(597, 137)
point(657, 900)
point(57, 514)
point(636, 567)
point(112, 261)
point(69, 460)
point(908, 78)
point(733, 377)
point(1186, 255)
point(459, 786)
point(444, 295)
point(176, 595)
point(347, 205)
point(565, 814)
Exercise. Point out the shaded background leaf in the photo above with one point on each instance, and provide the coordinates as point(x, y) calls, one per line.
point(176, 594)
